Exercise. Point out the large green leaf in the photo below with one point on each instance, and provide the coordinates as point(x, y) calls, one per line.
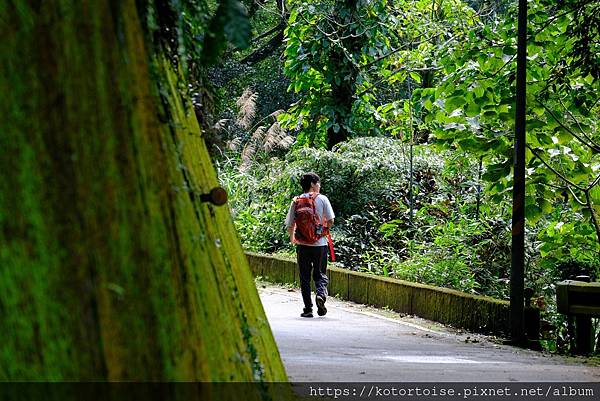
point(455, 102)
point(496, 171)
point(472, 109)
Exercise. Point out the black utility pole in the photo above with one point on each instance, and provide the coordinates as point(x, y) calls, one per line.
point(518, 212)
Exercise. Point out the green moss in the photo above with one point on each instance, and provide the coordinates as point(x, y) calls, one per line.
point(109, 269)
point(338, 283)
point(358, 287)
point(388, 293)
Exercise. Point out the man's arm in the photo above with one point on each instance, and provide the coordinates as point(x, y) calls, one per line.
point(328, 215)
point(290, 224)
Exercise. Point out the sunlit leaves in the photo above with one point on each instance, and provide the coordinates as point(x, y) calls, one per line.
point(472, 108)
point(374, 50)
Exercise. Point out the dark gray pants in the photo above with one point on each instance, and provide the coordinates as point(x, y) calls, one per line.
point(312, 259)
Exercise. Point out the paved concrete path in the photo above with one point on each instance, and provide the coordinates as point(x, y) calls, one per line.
point(355, 343)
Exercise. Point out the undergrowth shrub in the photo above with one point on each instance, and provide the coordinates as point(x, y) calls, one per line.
point(456, 237)
point(367, 181)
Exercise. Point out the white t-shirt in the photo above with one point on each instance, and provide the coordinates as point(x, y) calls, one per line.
point(324, 210)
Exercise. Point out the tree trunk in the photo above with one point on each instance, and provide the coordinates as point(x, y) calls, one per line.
point(109, 268)
point(343, 100)
point(342, 93)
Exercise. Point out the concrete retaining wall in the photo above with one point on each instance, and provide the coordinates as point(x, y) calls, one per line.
point(455, 308)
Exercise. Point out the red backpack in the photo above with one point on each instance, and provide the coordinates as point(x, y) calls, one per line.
point(309, 228)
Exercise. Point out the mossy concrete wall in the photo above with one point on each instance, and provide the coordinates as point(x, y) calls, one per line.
point(109, 268)
point(455, 308)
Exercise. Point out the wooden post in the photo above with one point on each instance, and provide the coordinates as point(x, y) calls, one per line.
point(584, 335)
point(579, 301)
point(518, 214)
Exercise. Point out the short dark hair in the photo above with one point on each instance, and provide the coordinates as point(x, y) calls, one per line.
point(308, 179)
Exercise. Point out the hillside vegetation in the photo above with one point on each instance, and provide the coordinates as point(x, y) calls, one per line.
point(406, 110)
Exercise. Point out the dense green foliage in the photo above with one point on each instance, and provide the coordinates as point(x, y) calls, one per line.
point(472, 108)
point(349, 58)
point(433, 79)
point(366, 180)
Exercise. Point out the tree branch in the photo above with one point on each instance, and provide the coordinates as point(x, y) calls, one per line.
point(335, 41)
point(593, 213)
point(557, 16)
point(582, 203)
point(378, 59)
point(594, 183)
point(280, 26)
point(397, 70)
point(264, 51)
point(590, 145)
point(559, 175)
point(578, 124)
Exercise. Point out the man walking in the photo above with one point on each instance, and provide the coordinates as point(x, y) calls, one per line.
point(308, 222)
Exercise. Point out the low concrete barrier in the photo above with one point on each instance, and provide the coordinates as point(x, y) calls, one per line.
point(474, 313)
